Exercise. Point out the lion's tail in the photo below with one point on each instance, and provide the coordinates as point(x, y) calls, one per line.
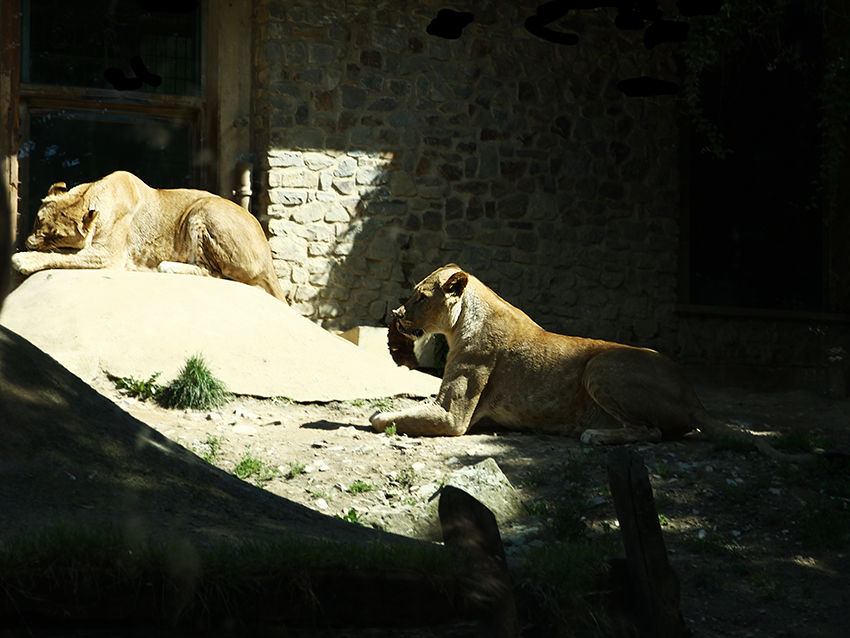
point(715, 430)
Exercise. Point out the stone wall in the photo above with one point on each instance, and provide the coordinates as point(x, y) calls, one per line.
point(388, 152)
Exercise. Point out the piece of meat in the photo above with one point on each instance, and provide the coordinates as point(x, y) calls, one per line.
point(401, 347)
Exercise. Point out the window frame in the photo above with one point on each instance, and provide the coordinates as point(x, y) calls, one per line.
point(26, 98)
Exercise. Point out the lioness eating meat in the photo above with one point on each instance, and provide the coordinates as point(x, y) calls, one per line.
point(120, 223)
point(504, 366)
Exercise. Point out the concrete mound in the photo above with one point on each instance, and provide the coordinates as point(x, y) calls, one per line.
point(136, 324)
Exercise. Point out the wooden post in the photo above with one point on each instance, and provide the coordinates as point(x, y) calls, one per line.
point(469, 527)
point(654, 583)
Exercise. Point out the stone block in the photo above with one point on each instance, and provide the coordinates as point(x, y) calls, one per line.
point(288, 249)
point(383, 249)
point(309, 213)
point(288, 197)
point(372, 175)
point(345, 186)
point(402, 184)
point(378, 310)
point(365, 297)
point(370, 338)
point(317, 161)
point(293, 177)
point(279, 158)
point(403, 117)
point(318, 53)
point(328, 308)
point(337, 213)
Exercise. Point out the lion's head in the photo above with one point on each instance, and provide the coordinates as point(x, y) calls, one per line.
point(64, 221)
point(435, 304)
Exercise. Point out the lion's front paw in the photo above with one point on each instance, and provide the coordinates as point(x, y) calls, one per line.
point(26, 263)
point(589, 437)
point(380, 421)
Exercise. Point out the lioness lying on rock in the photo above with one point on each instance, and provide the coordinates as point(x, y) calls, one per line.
point(120, 223)
point(504, 366)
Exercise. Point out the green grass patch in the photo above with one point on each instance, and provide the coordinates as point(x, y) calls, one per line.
point(251, 466)
point(534, 477)
point(295, 469)
point(385, 404)
point(68, 570)
point(195, 388)
point(567, 524)
point(139, 388)
point(407, 477)
point(351, 516)
point(359, 487)
point(210, 449)
point(572, 471)
point(797, 442)
point(571, 571)
point(537, 507)
point(768, 588)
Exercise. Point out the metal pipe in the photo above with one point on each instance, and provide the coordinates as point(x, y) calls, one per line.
point(243, 194)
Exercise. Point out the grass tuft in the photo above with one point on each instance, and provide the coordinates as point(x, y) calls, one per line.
point(139, 388)
point(210, 449)
point(252, 466)
point(295, 468)
point(195, 388)
point(358, 487)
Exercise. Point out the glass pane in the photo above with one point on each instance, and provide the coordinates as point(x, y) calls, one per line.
point(105, 44)
point(76, 148)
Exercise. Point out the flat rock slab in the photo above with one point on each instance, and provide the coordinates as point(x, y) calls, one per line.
point(136, 324)
point(484, 481)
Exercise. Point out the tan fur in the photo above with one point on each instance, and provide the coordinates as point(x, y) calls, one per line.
point(502, 365)
point(120, 223)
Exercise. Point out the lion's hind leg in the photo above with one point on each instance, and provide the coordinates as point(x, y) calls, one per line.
point(235, 247)
point(642, 390)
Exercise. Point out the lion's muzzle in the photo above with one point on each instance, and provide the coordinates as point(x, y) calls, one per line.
point(413, 333)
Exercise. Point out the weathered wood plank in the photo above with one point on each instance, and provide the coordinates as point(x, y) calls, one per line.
point(654, 583)
point(469, 527)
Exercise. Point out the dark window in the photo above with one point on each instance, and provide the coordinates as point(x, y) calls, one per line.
point(75, 147)
point(107, 85)
point(74, 43)
point(757, 232)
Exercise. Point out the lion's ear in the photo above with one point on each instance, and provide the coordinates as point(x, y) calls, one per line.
point(57, 189)
point(456, 284)
point(86, 223)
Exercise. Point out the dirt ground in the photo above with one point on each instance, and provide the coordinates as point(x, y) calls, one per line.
point(761, 548)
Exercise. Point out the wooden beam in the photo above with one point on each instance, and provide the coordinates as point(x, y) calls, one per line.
point(654, 583)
